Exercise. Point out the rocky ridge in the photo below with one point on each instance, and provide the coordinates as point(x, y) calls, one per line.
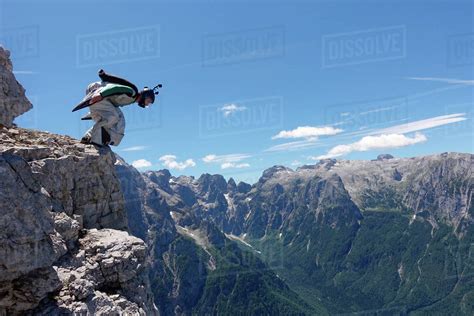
point(12, 95)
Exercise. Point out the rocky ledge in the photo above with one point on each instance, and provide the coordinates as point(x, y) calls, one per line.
point(64, 248)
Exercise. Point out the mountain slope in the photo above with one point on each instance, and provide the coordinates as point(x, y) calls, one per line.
point(389, 235)
point(196, 269)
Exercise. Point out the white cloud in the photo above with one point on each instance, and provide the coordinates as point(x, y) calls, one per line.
point(227, 165)
point(227, 161)
point(141, 163)
point(134, 148)
point(170, 162)
point(383, 141)
point(422, 124)
point(445, 80)
point(229, 109)
point(308, 132)
point(225, 158)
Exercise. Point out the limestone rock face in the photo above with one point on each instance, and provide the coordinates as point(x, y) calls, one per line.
point(79, 179)
point(29, 245)
point(12, 95)
point(105, 275)
point(64, 246)
point(26, 226)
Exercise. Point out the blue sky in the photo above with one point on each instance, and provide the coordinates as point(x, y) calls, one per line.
point(252, 84)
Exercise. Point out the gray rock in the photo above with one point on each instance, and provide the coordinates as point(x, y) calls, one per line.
point(80, 179)
point(67, 227)
point(13, 101)
point(107, 275)
point(27, 236)
point(53, 191)
point(26, 292)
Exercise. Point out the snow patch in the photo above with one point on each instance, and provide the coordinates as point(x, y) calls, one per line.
point(173, 215)
point(230, 201)
point(248, 215)
point(240, 239)
point(400, 271)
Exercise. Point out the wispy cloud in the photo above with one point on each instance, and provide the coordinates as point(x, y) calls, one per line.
point(170, 162)
point(227, 165)
point(134, 148)
point(383, 141)
point(422, 124)
point(393, 137)
point(229, 109)
point(378, 110)
point(227, 161)
point(444, 80)
point(141, 163)
point(24, 72)
point(308, 132)
point(225, 158)
point(295, 145)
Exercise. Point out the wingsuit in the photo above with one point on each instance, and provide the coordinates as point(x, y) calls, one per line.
point(104, 99)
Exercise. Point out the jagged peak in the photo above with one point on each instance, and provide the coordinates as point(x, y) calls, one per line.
point(270, 172)
point(384, 157)
point(244, 187)
point(207, 180)
point(231, 183)
point(306, 167)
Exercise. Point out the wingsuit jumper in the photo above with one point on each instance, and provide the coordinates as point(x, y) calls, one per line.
point(104, 99)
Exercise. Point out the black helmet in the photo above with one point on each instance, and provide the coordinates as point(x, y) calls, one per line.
point(148, 93)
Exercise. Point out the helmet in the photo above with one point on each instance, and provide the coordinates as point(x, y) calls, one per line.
point(148, 93)
point(144, 94)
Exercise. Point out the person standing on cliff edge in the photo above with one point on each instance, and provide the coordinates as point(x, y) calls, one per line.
point(104, 98)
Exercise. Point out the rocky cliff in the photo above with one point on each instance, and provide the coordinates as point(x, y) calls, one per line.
point(12, 95)
point(64, 245)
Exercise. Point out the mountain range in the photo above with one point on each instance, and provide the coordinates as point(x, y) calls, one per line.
point(83, 232)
